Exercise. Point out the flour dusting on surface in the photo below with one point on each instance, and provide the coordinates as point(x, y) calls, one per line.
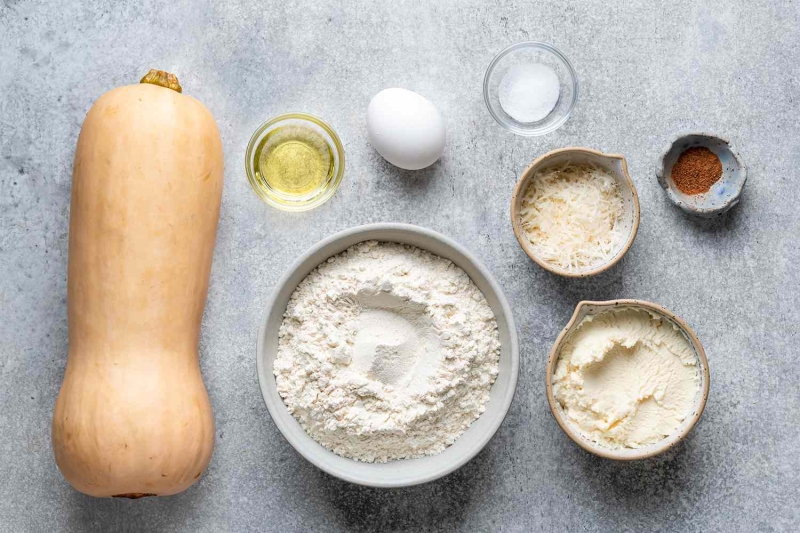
point(387, 352)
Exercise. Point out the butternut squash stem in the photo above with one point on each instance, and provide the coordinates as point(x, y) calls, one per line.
point(162, 79)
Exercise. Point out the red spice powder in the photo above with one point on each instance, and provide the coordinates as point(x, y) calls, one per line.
point(696, 170)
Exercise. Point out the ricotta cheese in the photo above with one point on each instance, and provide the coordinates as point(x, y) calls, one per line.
point(626, 378)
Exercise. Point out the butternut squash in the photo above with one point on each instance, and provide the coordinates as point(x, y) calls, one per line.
point(133, 417)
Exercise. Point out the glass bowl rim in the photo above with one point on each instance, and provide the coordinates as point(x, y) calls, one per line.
point(303, 117)
point(541, 46)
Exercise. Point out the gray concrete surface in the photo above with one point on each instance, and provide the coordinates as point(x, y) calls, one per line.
point(646, 71)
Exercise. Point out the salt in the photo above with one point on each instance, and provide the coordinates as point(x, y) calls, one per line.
point(528, 93)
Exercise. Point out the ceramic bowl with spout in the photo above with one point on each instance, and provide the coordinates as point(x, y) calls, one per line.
point(587, 308)
point(616, 166)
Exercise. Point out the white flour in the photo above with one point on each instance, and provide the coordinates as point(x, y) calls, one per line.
point(387, 352)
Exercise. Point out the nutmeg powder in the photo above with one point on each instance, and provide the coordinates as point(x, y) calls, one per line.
point(696, 170)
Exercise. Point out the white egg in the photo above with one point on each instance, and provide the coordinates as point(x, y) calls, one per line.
point(405, 128)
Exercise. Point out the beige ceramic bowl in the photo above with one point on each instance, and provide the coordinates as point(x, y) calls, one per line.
point(614, 164)
point(627, 454)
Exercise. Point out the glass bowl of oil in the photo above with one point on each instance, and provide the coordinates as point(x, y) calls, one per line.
point(295, 162)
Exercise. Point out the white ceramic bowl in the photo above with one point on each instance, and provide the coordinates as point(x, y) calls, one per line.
point(407, 471)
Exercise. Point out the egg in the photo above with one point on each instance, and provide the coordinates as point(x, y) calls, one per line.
point(405, 128)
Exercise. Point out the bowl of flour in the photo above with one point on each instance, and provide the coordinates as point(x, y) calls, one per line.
point(388, 355)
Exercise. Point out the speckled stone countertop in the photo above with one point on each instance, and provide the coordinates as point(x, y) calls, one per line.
point(647, 70)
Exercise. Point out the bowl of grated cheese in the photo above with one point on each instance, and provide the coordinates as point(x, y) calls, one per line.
point(575, 211)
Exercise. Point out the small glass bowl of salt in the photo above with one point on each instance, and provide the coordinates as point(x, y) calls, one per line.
point(530, 88)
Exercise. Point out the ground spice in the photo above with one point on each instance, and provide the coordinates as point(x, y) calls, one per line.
point(696, 170)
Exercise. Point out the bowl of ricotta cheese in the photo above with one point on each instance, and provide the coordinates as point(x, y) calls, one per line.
point(627, 379)
point(388, 355)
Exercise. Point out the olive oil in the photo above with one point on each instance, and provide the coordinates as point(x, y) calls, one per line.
point(293, 163)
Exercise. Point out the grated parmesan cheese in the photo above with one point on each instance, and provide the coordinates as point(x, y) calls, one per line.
point(571, 216)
